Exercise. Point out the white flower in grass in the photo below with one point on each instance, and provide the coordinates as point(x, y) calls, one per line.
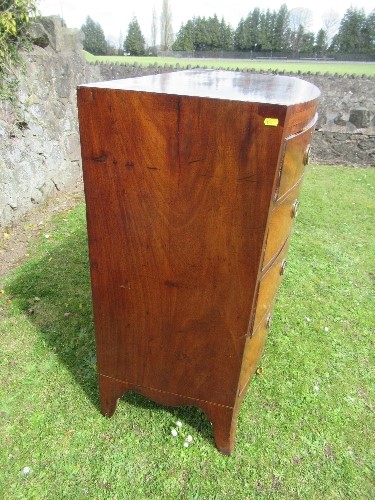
point(189, 439)
point(186, 444)
point(316, 388)
point(326, 329)
point(174, 432)
point(178, 423)
point(26, 471)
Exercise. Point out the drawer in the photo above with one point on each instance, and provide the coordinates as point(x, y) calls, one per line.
point(294, 158)
point(280, 223)
point(269, 285)
point(253, 351)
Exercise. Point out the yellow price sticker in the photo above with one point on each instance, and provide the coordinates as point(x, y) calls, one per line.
point(271, 122)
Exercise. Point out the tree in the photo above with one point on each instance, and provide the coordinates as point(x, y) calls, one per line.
point(166, 29)
point(185, 37)
point(254, 27)
point(240, 36)
point(154, 28)
point(120, 44)
point(321, 42)
point(281, 29)
point(95, 41)
point(134, 43)
point(369, 33)
point(213, 33)
point(15, 16)
point(226, 35)
point(351, 35)
point(249, 31)
point(264, 30)
point(202, 33)
point(267, 28)
point(308, 41)
point(331, 23)
point(296, 39)
point(300, 16)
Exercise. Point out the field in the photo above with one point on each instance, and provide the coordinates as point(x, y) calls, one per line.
point(306, 424)
point(358, 69)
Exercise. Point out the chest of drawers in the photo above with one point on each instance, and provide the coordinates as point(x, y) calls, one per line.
point(191, 183)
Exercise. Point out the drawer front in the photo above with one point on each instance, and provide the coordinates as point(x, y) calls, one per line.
point(280, 223)
point(253, 351)
point(269, 285)
point(294, 159)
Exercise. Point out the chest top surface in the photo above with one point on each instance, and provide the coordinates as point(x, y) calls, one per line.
point(219, 84)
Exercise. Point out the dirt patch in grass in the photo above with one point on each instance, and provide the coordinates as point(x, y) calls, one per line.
point(15, 240)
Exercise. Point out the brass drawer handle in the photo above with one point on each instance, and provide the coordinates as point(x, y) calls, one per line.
point(306, 155)
point(283, 267)
point(295, 207)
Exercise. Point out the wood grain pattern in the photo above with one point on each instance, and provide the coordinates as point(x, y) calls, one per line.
point(179, 190)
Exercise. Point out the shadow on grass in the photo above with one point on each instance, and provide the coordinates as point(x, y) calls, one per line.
point(54, 291)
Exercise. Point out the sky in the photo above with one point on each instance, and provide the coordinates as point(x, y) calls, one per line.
point(114, 16)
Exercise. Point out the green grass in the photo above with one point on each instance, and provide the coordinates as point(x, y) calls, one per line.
point(306, 424)
point(357, 69)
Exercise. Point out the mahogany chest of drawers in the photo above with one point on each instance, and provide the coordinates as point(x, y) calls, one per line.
point(191, 183)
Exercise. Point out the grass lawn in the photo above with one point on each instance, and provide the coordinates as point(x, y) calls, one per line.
point(306, 424)
point(330, 67)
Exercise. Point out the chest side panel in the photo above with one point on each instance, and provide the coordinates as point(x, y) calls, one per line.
point(178, 191)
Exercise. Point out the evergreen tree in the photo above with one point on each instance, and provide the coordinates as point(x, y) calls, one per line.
point(134, 43)
point(308, 41)
point(263, 30)
point(95, 41)
point(226, 36)
point(240, 36)
point(200, 34)
point(213, 33)
point(185, 37)
point(281, 30)
point(351, 35)
point(321, 42)
point(254, 26)
point(369, 33)
point(296, 39)
point(267, 27)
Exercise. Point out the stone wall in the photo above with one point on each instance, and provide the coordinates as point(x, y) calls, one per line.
point(40, 152)
point(39, 148)
point(345, 132)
